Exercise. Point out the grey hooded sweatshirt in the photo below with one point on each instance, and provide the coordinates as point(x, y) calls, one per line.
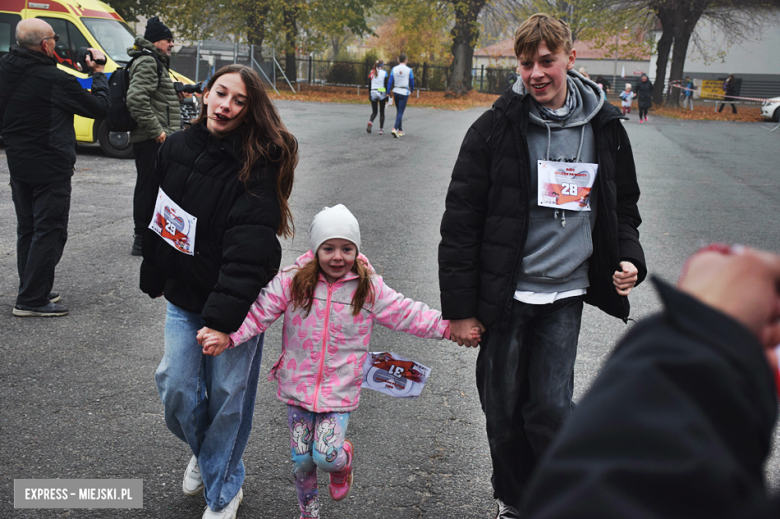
point(556, 252)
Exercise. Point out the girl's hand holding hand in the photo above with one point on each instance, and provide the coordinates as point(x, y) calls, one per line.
point(213, 341)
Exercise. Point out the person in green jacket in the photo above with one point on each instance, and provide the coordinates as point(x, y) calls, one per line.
point(154, 105)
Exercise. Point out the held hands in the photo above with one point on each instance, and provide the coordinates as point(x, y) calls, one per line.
point(213, 342)
point(625, 280)
point(467, 332)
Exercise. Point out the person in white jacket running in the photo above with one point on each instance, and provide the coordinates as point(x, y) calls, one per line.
point(401, 85)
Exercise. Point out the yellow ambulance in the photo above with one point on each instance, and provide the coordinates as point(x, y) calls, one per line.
point(82, 23)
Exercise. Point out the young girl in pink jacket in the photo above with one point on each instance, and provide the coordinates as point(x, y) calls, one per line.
point(331, 298)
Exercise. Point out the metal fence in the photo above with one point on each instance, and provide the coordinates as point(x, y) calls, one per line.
point(200, 62)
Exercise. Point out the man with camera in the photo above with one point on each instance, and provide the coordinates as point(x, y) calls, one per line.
point(154, 104)
point(37, 104)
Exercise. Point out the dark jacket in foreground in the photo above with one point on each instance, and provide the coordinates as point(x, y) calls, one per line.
point(37, 126)
point(485, 223)
point(677, 425)
point(236, 249)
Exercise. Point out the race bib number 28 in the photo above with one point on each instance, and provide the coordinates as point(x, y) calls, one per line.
point(566, 185)
point(174, 225)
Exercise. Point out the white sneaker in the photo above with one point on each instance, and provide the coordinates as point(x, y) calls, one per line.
point(229, 512)
point(192, 485)
point(506, 512)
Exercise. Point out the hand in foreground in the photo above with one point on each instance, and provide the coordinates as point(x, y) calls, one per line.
point(462, 331)
point(97, 55)
point(624, 280)
point(160, 138)
point(742, 283)
point(213, 341)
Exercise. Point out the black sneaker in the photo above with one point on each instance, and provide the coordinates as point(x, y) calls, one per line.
point(137, 250)
point(50, 310)
point(54, 297)
point(506, 512)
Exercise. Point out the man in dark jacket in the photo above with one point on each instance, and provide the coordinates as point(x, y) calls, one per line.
point(680, 420)
point(540, 217)
point(154, 105)
point(37, 103)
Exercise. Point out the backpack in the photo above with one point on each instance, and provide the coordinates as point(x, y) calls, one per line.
point(119, 118)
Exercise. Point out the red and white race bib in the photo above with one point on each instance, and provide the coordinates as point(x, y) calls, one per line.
point(566, 185)
point(174, 225)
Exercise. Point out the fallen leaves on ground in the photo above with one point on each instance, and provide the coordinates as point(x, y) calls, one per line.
point(706, 112)
point(474, 99)
point(337, 94)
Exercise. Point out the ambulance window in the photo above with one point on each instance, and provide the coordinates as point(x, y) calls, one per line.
point(5, 37)
point(66, 51)
point(7, 31)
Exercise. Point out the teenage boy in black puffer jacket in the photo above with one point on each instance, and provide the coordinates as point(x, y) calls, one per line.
point(540, 217)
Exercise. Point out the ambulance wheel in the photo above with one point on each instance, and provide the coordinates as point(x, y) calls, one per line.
point(114, 144)
point(776, 115)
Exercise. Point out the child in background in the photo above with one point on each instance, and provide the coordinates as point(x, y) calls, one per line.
point(331, 298)
point(377, 95)
point(627, 95)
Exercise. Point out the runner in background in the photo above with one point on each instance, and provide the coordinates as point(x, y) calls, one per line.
point(378, 95)
point(401, 85)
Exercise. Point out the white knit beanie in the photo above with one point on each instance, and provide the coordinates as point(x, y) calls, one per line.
point(334, 222)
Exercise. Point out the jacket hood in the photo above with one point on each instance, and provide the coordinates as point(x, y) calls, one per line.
point(20, 59)
point(515, 102)
point(309, 256)
point(588, 100)
point(140, 44)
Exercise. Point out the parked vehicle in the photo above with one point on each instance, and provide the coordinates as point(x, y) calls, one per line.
point(79, 23)
point(771, 109)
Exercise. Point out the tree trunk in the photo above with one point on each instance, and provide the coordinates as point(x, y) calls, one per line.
point(464, 36)
point(290, 14)
point(256, 15)
point(666, 17)
point(687, 17)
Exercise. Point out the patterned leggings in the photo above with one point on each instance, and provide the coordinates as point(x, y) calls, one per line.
point(317, 440)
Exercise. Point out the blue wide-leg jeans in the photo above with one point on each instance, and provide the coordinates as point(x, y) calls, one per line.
point(209, 401)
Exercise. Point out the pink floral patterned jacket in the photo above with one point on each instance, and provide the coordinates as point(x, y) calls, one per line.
point(321, 366)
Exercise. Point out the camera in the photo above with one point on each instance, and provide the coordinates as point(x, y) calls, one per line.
point(195, 88)
point(81, 61)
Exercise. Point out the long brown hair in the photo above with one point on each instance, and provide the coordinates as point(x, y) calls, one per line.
point(306, 279)
point(264, 136)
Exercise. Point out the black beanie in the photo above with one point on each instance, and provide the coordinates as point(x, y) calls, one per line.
point(156, 30)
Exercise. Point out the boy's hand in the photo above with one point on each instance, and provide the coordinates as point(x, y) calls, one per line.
point(461, 331)
point(213, 341)
point(624, 280)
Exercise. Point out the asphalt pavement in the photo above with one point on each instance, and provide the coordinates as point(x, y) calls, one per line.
point(78, 394)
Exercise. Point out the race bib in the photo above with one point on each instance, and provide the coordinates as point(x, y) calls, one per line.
point(393, 375)
point(566, 185)
point(174, 225)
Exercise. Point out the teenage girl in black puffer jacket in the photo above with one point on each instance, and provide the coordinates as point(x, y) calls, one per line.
point(233, 171)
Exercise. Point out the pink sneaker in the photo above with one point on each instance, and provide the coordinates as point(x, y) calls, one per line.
point(640, 121)
point(341, 481)
point(381, 131)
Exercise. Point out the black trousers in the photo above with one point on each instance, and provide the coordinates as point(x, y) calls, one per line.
point(145, 185)
point(41, 232)
point(525, 380)
point(733, 107)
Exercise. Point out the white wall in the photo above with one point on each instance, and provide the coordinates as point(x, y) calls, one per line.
point(757, 54)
